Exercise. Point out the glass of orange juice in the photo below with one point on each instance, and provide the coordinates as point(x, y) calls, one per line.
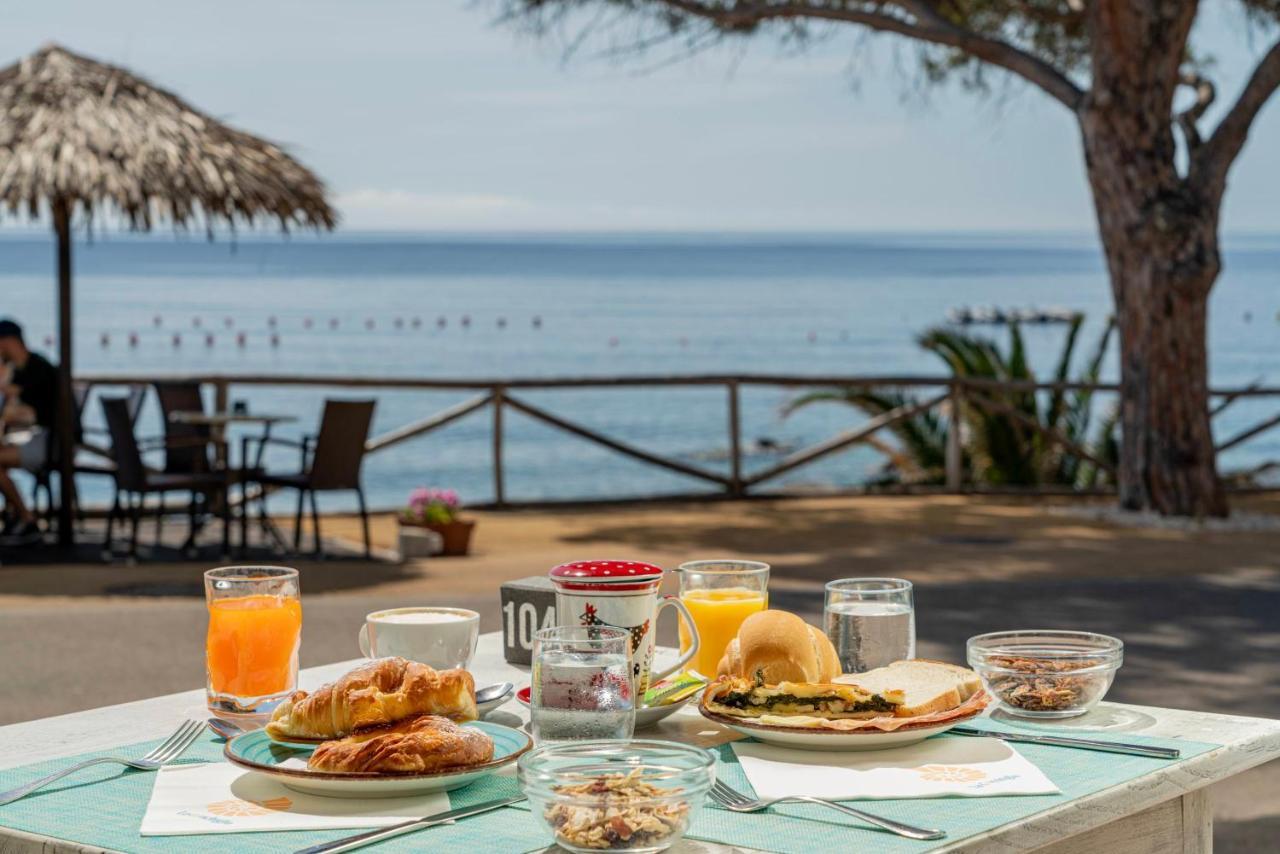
point(251, 650)
point(720, 594)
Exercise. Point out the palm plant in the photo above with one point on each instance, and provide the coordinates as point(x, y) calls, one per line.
point(1013, 437)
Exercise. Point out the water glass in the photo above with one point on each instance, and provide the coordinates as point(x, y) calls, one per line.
point(251, 648)
point(719, 595)
point(871, 622)
point(581, 684)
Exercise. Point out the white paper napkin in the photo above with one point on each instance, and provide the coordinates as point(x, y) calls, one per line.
point(218, 797)
point(934, 768)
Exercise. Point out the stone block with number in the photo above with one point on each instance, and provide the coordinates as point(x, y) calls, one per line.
point(528, 604)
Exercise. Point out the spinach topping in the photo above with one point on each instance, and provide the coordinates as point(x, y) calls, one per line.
point(742, 700)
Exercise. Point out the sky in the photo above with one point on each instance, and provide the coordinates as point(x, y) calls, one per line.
point(426, 115)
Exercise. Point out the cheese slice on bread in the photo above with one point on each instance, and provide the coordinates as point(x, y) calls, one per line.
point(927, 686)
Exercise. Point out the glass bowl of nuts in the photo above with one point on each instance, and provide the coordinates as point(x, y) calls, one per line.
point(637, 795)
point(1042, 673)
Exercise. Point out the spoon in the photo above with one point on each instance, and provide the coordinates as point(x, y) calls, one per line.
point(490, 697)
point(226, 729)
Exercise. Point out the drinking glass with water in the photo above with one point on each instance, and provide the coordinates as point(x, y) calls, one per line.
point(871, 622)
point(581, 684)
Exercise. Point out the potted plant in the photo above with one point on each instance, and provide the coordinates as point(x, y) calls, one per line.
point(437, 510)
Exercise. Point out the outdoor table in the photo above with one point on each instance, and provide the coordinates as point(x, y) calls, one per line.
point(1165, 811)
point(218, 424)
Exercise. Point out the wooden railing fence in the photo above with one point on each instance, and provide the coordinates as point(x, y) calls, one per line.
point(945, 394)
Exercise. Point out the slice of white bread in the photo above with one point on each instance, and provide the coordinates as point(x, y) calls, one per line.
point(929, 686)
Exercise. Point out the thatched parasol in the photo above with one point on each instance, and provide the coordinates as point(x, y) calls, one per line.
point(76, 134)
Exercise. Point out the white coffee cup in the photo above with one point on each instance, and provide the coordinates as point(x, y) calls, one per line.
point(443, 638)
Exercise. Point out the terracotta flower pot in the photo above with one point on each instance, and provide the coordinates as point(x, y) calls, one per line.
point(456, 535)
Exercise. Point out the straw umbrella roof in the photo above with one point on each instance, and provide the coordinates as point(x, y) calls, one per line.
point(97, 136)
point(81, 135)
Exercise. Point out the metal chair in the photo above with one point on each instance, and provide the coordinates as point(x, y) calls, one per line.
point(134, 481)
point(87, 443)
point(186, 446)
point(330, 461)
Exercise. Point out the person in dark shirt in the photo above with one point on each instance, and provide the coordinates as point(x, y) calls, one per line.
point(27, 422)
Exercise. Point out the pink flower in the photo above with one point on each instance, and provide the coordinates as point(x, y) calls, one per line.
point(431, 505)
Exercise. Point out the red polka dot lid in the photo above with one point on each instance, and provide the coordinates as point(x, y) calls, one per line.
point(606, 572)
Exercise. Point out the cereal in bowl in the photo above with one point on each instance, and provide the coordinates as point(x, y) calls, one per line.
point(617, 811)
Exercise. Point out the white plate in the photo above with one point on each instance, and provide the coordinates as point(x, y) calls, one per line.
point(830, 739)
point(646, 716)
point(287, 763)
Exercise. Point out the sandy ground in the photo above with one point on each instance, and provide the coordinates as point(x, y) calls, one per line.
point(1200, 612)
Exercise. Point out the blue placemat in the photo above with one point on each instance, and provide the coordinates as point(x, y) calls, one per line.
point(103, 806)
point(804, 828)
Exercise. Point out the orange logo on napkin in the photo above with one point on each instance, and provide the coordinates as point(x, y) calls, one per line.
point(240, 808)
point(951, 774)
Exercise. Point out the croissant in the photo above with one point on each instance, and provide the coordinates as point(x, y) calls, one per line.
point(419, 745)
point(375, 694)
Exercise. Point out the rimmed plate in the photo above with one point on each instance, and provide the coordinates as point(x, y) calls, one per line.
point(832, 739)
point(287, 763)
point(646, 716)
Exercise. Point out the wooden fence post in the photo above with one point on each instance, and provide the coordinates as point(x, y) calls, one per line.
point(955, 446)
point(736, 486)
point(221, 403)
point(499, 492)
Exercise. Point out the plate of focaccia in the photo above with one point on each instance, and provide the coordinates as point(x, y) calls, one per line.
point(389, 728)
point(780, 682)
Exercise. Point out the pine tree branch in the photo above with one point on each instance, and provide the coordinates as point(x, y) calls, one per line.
point(1213, 161)
point(926, 25)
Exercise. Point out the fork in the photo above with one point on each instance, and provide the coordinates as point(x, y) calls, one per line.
point(169, 750)
point(732, 799)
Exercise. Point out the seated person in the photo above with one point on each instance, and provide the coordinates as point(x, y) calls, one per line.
point(27, 423)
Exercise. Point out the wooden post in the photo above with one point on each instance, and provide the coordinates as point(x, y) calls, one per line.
point(66, 431)
point(221, 403)
point(221, 395)
point(499, 493)
point(735, 441)
point(955, 446)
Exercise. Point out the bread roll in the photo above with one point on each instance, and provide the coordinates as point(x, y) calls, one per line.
point(778, 646)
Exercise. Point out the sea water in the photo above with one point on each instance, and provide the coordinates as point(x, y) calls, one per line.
point(868, 635)
point(609, 305)
point(581, 696)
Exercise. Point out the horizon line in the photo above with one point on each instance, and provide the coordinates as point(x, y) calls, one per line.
point(10, 230)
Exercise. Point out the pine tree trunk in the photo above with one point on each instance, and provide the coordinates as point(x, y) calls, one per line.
point(1161, 247)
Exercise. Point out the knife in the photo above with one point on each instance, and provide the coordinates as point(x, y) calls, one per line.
point(369, 837)
point(1083, 743)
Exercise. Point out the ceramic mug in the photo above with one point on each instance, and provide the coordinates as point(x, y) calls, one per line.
point(443, 638)
point(622, 594)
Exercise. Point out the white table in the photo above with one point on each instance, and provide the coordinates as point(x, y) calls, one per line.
point(1165, 812)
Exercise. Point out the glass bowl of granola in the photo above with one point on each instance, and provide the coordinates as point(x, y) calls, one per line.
point(638, 795)
point(1042, 673)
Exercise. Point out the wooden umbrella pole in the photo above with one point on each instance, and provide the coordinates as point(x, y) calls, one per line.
point(66, 408)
